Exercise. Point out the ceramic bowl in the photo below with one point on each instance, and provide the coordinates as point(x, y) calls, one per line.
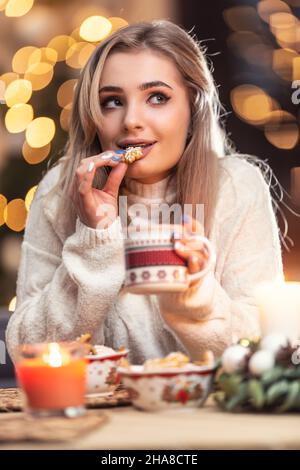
point(102, 376)
point(165, 389)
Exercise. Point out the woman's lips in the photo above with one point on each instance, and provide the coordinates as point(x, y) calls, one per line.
point(146, 150)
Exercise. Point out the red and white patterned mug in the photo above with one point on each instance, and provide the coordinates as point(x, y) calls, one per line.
point(152, 264)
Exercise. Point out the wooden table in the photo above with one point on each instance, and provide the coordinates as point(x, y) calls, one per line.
point(205, 428)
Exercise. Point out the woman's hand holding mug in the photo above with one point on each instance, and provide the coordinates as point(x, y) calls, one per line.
point(191, 245)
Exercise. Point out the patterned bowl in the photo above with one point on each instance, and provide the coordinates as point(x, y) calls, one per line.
point(163, 389)
point(102, 376)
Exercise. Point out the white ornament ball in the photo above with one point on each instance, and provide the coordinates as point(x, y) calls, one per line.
point(234, 358)
point(273, 342)
point(261, 361)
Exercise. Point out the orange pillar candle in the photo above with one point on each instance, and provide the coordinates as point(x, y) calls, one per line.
point(52, 380)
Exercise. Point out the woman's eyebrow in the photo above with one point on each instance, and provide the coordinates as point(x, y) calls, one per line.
point(142, 87)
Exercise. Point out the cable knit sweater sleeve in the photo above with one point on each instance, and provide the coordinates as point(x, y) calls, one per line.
point(80, 277)
point(210, 314)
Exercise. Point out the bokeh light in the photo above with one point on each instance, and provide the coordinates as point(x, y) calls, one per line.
point(12, 304)
point(95, 28)
point(117, 23)
point(76, 35)
point(281, 24)
point(39, 74)
point(61, 44)
point(65, 92)
point(5, 80)
point(18, 117)
point(86, 11)
point(3, 202)
point(65, 116)
point(282, 130)
point(18, 92)
point(251, 104)
point(15, 215)
point(283, 63)
point(17, 8)
point(78, 54)
point(29, 197)
point(33, 156)
point(9, 77)
point(40, 132)
point(289, 38)
point(21, 58)
point(285, 28)
point(44, 54)
point(269, 7)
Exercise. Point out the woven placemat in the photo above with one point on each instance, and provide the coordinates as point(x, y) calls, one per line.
point(11, 400)
point(18, 427)
point(117, 398)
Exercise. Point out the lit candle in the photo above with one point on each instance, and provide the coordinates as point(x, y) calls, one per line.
point(279, 305)
point(52, 377)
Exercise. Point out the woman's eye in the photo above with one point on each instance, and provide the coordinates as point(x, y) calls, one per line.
point(159, 98)
point(111, 102)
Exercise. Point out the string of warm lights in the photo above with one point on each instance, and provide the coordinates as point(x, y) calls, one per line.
point(267, 36)
point(32, 70)
point(249, 41)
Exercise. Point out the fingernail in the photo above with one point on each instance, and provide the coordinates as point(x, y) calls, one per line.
point(120, 152)
point(115, 158)
point(90, 167)
point(107, 155)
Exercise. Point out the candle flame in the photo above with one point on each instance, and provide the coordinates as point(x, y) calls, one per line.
point(53, 357)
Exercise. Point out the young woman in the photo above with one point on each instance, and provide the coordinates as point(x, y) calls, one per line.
point(147, 84)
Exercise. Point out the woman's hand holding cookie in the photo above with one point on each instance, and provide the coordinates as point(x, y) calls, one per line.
point(98, 208)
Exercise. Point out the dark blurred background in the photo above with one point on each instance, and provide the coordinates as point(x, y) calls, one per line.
point(252, 45)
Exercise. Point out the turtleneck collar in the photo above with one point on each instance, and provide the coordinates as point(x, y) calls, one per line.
point(159, 190)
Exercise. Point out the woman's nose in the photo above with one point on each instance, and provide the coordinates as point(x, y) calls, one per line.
point(133, 118)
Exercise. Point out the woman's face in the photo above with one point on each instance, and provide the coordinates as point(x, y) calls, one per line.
point(143, 99)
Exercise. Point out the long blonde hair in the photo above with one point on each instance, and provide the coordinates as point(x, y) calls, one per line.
point(197, 172)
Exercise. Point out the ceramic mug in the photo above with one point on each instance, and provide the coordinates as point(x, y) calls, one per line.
point(152, 264)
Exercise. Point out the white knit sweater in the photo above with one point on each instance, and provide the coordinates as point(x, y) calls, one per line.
point(69, 283)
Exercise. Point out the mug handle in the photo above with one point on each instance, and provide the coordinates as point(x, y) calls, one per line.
point(210, 261)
